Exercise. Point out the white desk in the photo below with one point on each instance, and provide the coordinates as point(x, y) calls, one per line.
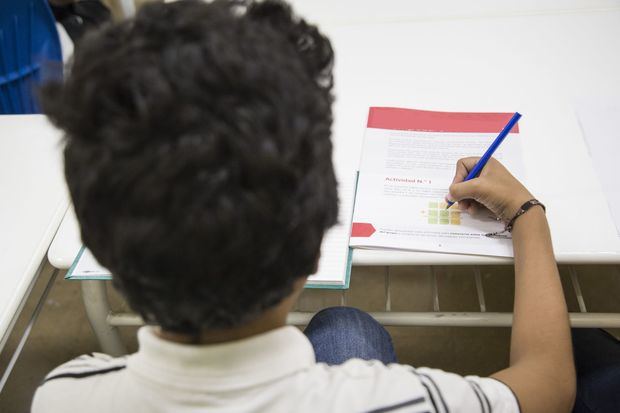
point(537, 62)
point(533, 58)
point(33, 200)
point(537, 57)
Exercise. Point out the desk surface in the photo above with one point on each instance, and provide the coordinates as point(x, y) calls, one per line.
point(537, 57)
point(540, 64)
point(33, 201)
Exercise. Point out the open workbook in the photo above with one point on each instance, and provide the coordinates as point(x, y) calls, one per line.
point(408, 162)
point(334, 268)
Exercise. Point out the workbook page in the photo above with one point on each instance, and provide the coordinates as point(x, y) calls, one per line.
point(405, 174)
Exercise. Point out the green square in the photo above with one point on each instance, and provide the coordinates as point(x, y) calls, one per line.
point(432, 220)
point(432, 204)
point(432, 213)
point(444, 221)
point(444, 214)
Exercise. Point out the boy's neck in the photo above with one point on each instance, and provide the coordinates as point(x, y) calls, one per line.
point(268, 321)
point(271, 319)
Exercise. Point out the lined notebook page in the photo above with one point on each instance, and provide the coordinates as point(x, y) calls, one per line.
point(88, 267)
point(333, 264)
point(335, 248)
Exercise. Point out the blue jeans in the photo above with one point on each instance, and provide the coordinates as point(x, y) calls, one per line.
point(342, 333)
point(597, 360)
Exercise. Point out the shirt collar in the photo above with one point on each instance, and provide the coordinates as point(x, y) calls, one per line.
point(232, 365)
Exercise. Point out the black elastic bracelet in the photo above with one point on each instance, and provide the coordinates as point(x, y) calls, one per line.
point(523, 210)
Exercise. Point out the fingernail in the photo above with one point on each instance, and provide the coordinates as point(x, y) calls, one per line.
point(449, 198)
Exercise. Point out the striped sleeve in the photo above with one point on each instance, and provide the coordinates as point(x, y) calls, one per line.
point(86, 383)
point(87, 365)
point(451, 393)
point(372, 387)
point(502, 396)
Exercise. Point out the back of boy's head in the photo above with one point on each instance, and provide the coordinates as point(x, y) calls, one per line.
point(198, 156)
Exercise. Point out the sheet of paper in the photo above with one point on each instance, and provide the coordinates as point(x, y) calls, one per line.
point(598, 118)
point(408, 163)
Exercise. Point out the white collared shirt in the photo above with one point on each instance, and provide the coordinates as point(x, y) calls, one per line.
point(272, 372)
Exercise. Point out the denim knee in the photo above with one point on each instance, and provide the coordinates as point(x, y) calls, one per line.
point(340, 333)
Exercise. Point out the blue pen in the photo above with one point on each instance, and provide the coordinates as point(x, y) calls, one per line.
point(487, 155)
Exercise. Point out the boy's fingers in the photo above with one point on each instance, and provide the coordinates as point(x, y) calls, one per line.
point(463, 166)
point(473, 209)
point(463, 190)
point(464, 204)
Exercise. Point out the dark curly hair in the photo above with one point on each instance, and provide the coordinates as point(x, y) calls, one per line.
point(198, 156)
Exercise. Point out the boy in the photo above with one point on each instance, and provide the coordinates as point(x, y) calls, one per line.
point(198, 158)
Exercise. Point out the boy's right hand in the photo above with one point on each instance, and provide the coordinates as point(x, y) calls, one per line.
point(495, 190)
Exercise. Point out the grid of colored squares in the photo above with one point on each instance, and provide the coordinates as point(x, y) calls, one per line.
point(438, 214)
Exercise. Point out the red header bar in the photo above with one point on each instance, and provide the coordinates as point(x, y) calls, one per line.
point(428, 121)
